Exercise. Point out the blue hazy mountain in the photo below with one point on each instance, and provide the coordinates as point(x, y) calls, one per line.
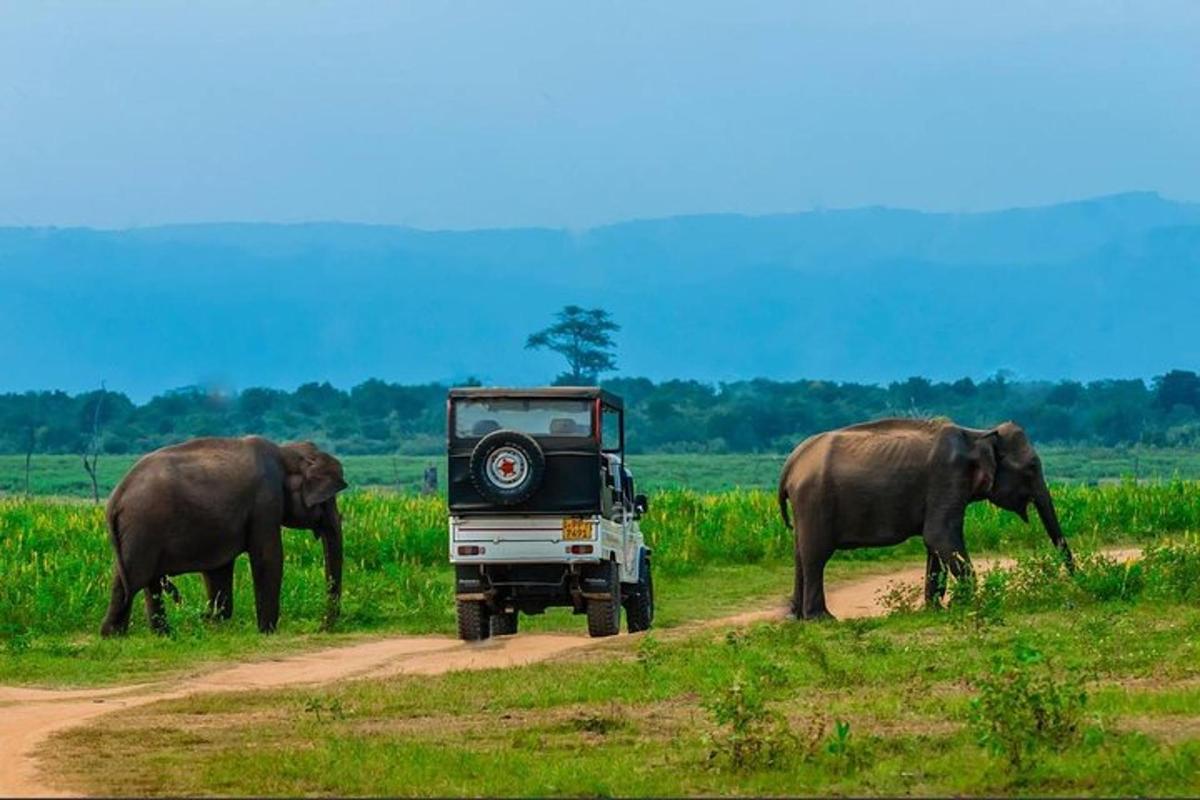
point(1106, 287)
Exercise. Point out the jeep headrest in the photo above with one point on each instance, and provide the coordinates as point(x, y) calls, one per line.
point(563, 426)
point(484, 427)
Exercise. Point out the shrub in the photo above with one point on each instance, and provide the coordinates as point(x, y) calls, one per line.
point(981, 603)
point(1171, 569)
point(649, 653)
point(750, 736)
point(1105, 579)
point(1022, 706)
point(901, 598)
point(1166, 570)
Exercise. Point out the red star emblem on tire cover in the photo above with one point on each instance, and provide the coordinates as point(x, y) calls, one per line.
point(507, 466)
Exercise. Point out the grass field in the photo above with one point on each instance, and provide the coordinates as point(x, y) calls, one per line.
point(56, 564)
point(64, 475)
point(1037, 684)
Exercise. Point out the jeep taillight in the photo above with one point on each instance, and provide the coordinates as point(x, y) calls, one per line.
point(471, 550)
point(579, 549)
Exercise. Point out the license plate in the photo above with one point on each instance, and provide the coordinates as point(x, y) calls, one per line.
point(576, 529)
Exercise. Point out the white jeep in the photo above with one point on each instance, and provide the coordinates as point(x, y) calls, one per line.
point(543, 511)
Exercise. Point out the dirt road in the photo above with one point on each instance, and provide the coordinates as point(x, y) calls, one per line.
point(29, 716)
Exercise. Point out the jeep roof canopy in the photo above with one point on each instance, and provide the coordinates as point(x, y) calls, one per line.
point(571, 482)
point(550, 392)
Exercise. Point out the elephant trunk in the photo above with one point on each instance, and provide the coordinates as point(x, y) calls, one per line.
point(1045, 508)
point(331, 538)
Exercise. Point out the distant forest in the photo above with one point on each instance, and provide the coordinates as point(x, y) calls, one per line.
point(678, 416)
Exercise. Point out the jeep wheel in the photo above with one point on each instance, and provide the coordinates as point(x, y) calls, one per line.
point(472, 620)
point(504, 624)
point(604, 616)
point(639, 605)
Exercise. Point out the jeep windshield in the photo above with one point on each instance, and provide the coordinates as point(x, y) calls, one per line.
point(475, 417)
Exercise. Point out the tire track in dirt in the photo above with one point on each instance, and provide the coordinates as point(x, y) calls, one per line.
point(29, 716)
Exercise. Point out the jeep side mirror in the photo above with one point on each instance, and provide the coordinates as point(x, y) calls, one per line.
point(640, 504)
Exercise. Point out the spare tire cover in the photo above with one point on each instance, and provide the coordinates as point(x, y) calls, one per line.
point(507, 467)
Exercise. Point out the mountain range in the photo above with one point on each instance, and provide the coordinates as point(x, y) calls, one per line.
point(1104, 287)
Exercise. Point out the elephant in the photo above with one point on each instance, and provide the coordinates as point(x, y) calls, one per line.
point(880, 483)
point(197, 506)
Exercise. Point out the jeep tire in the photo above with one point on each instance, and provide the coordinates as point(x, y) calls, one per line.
point(639, 603)
point(473, 620)
point(604, 616)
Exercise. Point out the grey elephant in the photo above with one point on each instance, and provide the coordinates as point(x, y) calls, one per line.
point(196, 506)
point(880, 483)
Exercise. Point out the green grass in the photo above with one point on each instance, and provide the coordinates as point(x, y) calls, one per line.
point(715, 554)
point(64, 475)
point(56, 563)
point(864, 707)
point(85, 659)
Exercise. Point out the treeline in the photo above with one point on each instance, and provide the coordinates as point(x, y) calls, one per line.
point(670, 416)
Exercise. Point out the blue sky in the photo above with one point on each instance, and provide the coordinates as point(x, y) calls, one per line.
point(487, 114)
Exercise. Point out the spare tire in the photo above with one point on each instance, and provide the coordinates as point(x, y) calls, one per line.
point(507, 467)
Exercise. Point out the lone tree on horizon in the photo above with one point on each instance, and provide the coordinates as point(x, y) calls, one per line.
point(583, 337)
point(90, 445)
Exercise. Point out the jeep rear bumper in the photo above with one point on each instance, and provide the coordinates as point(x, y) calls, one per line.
point(526, 540)
point(533, 587)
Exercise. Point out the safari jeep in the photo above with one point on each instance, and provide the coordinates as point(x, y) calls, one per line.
point(543, 511)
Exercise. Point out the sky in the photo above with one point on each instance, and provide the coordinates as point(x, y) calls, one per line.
point(485, 114)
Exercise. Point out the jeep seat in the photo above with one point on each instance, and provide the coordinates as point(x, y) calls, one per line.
point(564, 426)
point(484, 427)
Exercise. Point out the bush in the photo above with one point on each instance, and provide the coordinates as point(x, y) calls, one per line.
point(981, 603)
point(1166, 570)
point(750, 735)
point(901, 598)
point(1171, 570)
point(1022, 706)
point(1104, 579)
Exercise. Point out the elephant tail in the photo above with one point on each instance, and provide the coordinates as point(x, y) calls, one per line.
point(783, 502)
point(114, 538)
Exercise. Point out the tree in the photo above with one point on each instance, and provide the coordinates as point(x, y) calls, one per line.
point(583, 337)
point(1177, 388)
point(34, 433)
point(91, 445)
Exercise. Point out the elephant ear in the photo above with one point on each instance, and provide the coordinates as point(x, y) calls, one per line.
point(982, 463)
point(322, 479)
point(317, 475)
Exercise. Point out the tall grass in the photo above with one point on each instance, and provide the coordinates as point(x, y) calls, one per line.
point(56, 566)
point(688, 529)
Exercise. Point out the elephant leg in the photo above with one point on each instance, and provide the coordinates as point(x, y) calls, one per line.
point(219, 584)
point(156, 612)
point(801, 531)
point(814, 560)
point(798, 588)
point(120, 604)
point(935, 579)
point(943, 536)
point(954, 557)
point(266, 565)
point(813, 549)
